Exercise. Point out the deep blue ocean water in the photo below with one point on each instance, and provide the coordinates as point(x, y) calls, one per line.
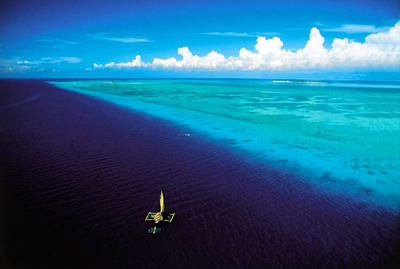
point(82, 172)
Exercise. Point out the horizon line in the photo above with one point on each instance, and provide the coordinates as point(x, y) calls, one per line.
point(194, 78)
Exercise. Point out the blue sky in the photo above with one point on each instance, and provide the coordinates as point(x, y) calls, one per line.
point(61, 39)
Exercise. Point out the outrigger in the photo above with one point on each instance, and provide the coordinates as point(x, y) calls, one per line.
point(159, 216)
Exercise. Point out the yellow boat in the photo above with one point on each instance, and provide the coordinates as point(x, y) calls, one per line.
point(161, 215)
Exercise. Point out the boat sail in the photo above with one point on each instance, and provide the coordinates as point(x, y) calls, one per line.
point(162, 208)
point(161, 215)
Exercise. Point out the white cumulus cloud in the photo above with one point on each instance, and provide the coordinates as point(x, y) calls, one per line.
point(378, 50)
point(137, 62)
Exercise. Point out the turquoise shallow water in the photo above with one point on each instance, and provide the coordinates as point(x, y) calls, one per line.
point(343, 137)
